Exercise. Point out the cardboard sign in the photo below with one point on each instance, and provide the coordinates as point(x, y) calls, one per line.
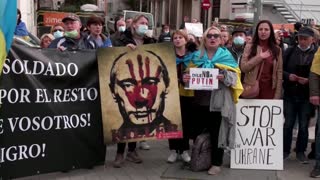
point(259, 135)
point(195, 28)
point(203, 79)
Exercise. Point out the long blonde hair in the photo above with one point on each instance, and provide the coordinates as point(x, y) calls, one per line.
point(202, 47)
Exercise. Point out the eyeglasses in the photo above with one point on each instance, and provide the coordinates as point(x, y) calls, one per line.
point(58, 30)
point(209, 36)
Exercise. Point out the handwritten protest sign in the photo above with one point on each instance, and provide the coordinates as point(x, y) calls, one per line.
point(203, 79)
point(259, 135)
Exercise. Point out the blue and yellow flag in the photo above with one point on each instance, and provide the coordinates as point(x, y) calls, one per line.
point(8, 22)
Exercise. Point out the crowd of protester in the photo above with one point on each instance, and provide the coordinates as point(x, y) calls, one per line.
point(281, 59)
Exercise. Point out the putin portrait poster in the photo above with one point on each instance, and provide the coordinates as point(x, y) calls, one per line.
point(139, 93)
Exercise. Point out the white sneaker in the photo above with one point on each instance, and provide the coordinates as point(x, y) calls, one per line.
point(173, 157)
point(144, 145)
point(185, 156)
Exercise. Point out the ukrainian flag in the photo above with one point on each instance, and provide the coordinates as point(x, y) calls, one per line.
point(8, 22)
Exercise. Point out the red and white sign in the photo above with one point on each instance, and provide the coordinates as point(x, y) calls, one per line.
point(205, 4)
point(203, 79)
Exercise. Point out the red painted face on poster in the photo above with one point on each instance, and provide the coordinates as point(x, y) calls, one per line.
point(140, 88)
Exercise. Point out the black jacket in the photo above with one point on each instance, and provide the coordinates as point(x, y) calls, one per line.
point(85, 42)
point(127, 38)
point(295, 61)
point(164, 37)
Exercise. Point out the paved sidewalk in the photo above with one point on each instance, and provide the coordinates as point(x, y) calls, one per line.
point(155, 167)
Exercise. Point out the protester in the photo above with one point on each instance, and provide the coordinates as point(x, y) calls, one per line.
point(225, 38)
point(165, 34)
point(183, 24)
point(193, 42)
point(132, 37)
point(211, 55)
point(46, 40)
point(194, 20)
point(223, 27)
point(314, 84)
point(279, 39)
point(72, 38)
point(128, 22)
point(296, 70)
point(248, 38)
point(238, 43)
point(57, 30)
point(180, 147)
point(120, 28)
point(294, 37)
point(94, 25)
point(265, 53)
point(21, 29)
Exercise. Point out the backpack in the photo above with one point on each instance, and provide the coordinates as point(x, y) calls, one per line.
point(201, 153)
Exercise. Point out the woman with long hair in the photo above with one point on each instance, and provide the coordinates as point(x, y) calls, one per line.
point(263, 56)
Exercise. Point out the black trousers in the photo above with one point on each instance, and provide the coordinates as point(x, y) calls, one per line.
point(210, 121)
point(187, 116)
point(122, 146)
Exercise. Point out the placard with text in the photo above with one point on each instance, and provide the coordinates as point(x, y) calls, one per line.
point(50, 115)
point(203, 79)
point(259, 135)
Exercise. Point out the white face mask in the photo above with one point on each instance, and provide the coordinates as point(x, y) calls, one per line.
point(166, 31)
point(121, 28)
point(239, 41)
point(305, 49)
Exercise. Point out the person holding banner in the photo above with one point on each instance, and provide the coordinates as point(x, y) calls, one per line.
point(211, 55)
point(263, 57)
point(314, 84)
point(73, 39)
point(132, 37)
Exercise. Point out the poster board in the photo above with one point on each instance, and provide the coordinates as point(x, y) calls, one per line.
point(259, 135)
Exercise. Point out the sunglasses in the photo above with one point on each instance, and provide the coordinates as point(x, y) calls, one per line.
point(209, 36)
point(58, 30)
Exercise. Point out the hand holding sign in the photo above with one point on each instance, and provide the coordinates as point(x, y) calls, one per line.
point(204, 78)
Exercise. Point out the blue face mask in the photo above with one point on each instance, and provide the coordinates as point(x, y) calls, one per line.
point(58, 34)
point(239, 41)
point(142, 29)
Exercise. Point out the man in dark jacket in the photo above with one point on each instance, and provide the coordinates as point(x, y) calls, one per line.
point(296, 68)
point(73, 39)
point(238, 43)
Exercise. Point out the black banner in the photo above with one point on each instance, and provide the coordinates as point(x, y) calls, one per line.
point(50, 115)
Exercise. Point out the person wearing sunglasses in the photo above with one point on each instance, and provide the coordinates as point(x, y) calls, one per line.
point(210, 113)
point(57, 30)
